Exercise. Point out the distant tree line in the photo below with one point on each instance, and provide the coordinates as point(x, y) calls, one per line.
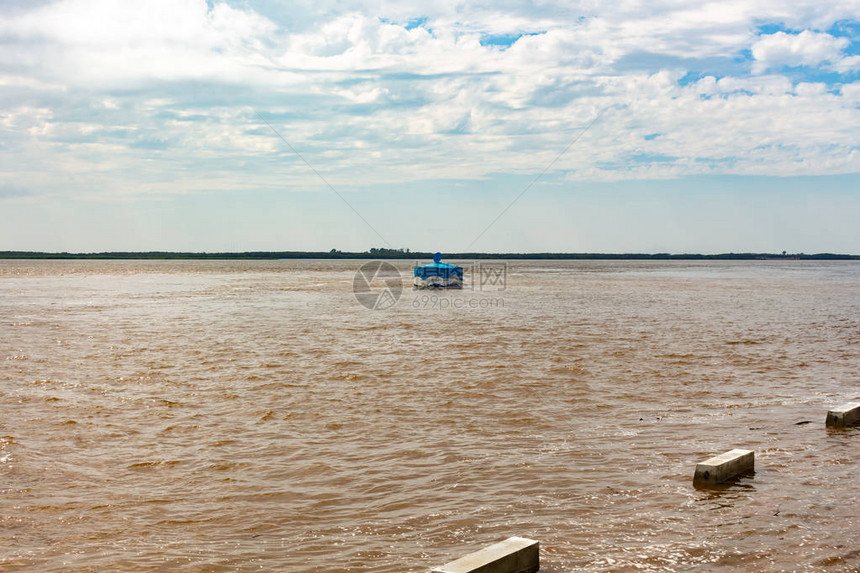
point(386, 253)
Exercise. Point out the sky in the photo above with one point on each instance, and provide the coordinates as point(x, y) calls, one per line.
point(492, 126)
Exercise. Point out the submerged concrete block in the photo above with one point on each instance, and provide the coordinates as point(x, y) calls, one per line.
point(844, 415)
point(513, 555)
point(723, 467)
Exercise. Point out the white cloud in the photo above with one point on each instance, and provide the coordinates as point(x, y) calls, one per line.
point(28, 82)
point(804, 49)
point(847, 64)
point(366, 98)
point(102, 43)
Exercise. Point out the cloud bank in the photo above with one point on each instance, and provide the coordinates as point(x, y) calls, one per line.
point(111, 101)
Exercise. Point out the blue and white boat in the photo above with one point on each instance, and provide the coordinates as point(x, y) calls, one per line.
point(437, 275)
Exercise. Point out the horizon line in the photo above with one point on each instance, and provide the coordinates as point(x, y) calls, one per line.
point(388, 253)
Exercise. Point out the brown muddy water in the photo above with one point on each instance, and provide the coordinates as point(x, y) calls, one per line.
point(246, 416)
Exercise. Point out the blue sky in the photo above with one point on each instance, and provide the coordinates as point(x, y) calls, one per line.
point(720, 127)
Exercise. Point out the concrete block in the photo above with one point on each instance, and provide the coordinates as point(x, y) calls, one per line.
point(513, 555)
point(723, 467)
point(845, 415)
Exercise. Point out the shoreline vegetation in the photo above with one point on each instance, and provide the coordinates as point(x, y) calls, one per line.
point(384, 253)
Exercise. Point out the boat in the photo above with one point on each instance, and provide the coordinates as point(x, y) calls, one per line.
point(437, 275)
